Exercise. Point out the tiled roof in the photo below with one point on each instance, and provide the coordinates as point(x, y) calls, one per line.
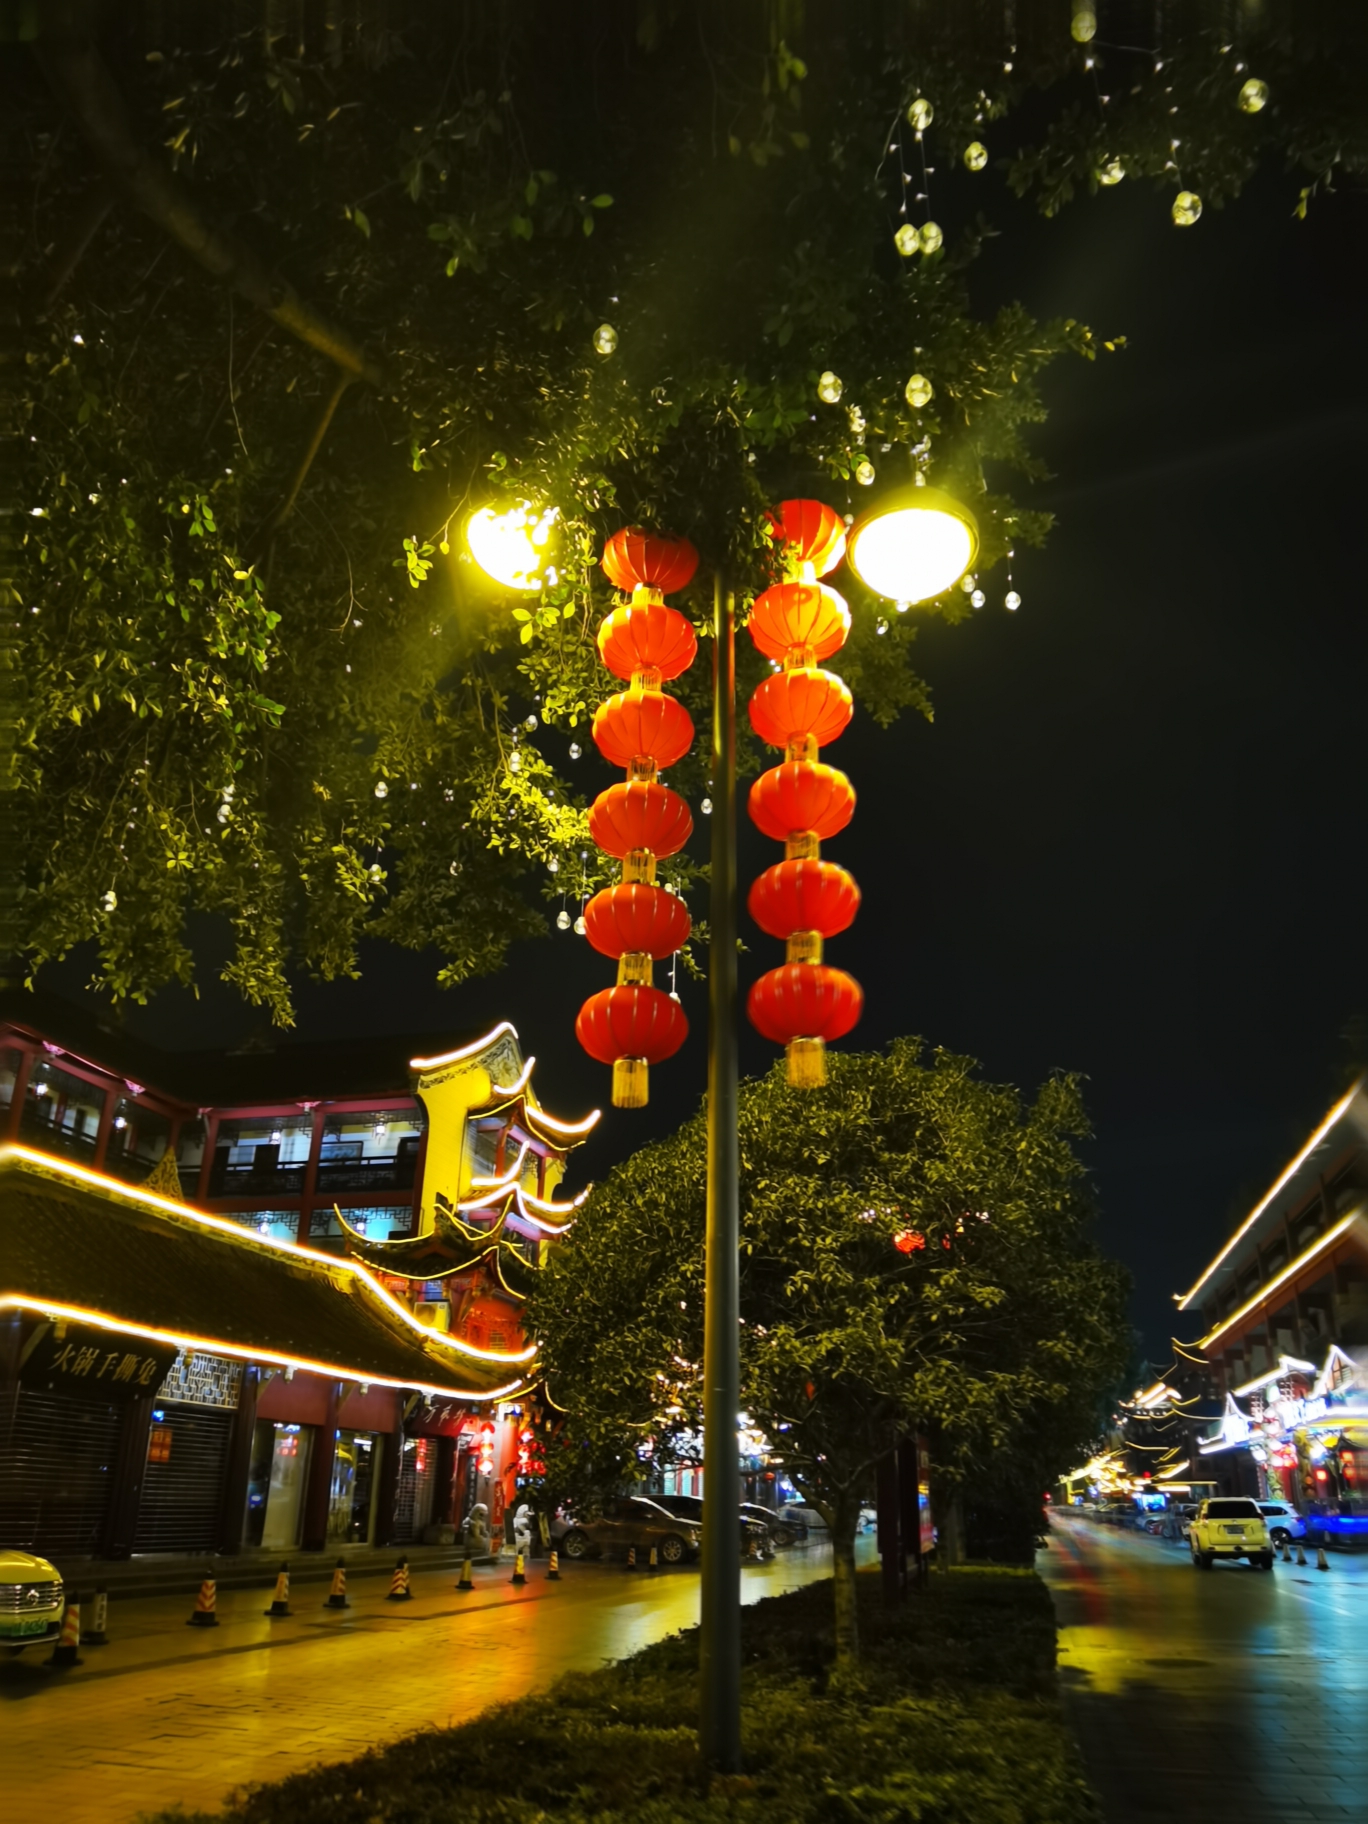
point(81, 1244)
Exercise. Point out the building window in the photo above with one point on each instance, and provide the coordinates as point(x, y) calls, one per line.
point(261, 1156)
point(378, 1222)
point(61, 1113)
point(9, 1075)
point(138, 1137)
point(369, 1150)
point(279, 1225)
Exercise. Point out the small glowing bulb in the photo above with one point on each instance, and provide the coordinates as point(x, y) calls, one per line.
point(1012, 601)
point(224, 812)
point(864, 472)
point(515, 762)
point(562, 920)
point(918, 391)
point(920, 114)
point(605, 339)
point(1083, 28)
point(579, 927)
point(575, 750)
point(381, 789)
point(1111, 173)
point(1253, 96)
point(978, 598)
point(907, 240)
point(111, 900)
point(1187, 206)
point(830, 387)
point(931, 237)
point(882, 626)
point(454, 869)
point(969, 582)
point(975, 155)
point(553, 865)
point(530, 724)
point(706, 807)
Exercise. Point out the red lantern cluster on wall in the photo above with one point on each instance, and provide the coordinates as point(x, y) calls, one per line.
point(635, 1024)
point(803, 899)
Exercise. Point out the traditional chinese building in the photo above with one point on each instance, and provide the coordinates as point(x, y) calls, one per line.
point(269, 1299)
point(1280, 1373)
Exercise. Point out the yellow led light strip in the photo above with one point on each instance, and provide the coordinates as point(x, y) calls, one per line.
point(81, 1314)
point(1335, 1113)
point(1262, 1296)
point(510, 1177)
point(565, 1127)
point(465, 1051)
point(63, 1168)
point(514, 1089)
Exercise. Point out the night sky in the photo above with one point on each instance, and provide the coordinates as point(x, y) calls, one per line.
point(1131, 844)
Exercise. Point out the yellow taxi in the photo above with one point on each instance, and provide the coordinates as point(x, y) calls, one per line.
point(30, 1600)
point(1229, 1526)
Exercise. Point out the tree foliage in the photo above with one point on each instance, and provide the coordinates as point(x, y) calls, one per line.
point(470, 192)
point(914, 1257)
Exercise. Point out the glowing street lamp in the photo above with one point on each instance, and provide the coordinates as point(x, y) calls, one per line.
point(512, 547)
point(913, 546)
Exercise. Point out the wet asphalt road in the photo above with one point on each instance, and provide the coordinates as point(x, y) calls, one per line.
point(1211, 1696)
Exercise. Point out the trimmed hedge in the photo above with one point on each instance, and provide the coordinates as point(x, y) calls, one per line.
point(952, 1718)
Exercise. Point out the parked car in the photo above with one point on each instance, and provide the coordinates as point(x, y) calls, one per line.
point(628, 1520)
point(1186, 1515)
point(799, 1513)
point(690, 1508)
point(30, 1600)
point(781, 1532)
point(1284, 1522)
point(1230, 1526)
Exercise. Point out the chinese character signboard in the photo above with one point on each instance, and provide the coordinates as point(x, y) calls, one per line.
point(74, 1358)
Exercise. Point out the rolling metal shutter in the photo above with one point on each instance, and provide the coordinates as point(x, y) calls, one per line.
point(179, 1509)
point(57, 1456)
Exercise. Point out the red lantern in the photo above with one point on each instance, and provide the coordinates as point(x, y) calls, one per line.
point(648, 560)
point(800, 706)
point(806, 896)
point(802, 1006)
point(642, 724)
point(646, 637)
point(638, 816)
point(810, 532)
point(631, 1027)
point(799, 617)
point(634, 919)
point(798, 797)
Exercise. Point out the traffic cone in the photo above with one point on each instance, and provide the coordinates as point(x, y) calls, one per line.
point(96, 1635)
point(1301, 1552)
point(553, 1574)
point(337, 1594)
point(399, 1590)
point(467, 1582)
point(280, 1602)
point(631, 1557)
point(206, 1605)
point(1285, 1551)
point(64, 1654)
point(519, 1574)
point(1322, 1562)
point(653, 1562)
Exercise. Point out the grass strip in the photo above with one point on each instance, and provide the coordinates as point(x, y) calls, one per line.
point(952, 1718)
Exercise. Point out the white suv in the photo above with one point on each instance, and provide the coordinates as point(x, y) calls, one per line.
point(1283, 1522)
point(1230, 1526)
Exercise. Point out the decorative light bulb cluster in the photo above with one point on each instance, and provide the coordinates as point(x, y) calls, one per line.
point(635, 1024)
point(803, 899)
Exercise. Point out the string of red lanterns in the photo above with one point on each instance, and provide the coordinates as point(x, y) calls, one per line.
point(635, 1024)
point(797, 623)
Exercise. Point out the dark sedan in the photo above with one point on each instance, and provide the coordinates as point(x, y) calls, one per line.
point(631, 1520)
point(755, 1534)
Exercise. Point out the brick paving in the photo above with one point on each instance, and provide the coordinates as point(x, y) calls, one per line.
point(1198, 1696)
point(168, 1713)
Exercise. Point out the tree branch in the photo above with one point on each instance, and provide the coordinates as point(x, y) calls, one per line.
point(81, 80)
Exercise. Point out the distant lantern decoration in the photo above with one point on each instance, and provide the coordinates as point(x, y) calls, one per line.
point(803, 899)
point(635, 1024)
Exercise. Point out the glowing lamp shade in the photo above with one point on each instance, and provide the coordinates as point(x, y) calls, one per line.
point(914, 546)
point(512, 547)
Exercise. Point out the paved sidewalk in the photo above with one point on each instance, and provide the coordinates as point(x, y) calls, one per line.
point(170, 1713)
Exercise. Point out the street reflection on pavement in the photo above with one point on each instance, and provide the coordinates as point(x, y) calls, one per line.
point(1231, 1693)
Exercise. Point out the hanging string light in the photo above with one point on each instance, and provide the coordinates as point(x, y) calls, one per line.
point(803, 899)
point(635, 1024)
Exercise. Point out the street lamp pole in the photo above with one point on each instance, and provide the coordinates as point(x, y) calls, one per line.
point(720, 1604)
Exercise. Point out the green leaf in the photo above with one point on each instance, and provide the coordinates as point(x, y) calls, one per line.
point(601, 201)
